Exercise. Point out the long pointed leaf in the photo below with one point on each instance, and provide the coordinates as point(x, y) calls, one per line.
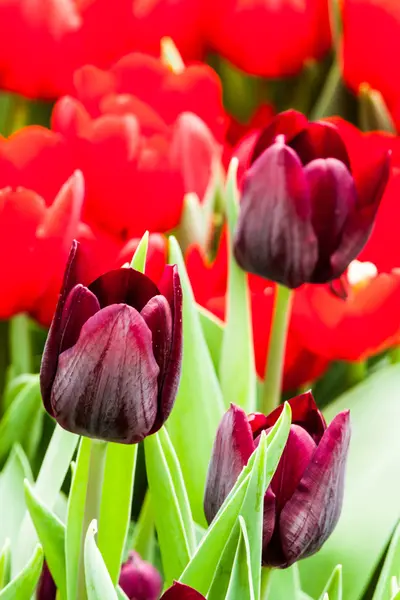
point(98, 581)
point(24, 584)
point(241, 582)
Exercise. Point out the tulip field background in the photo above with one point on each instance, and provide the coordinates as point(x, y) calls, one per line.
point(199, 224)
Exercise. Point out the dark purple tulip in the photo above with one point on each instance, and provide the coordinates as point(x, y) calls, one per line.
point(179, 591)
point(303, 217)
point(139, 579)
point(112, 360)
point(303, 503)
point(46, 589)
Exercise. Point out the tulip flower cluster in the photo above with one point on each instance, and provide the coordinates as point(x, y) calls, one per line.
point(199, 308)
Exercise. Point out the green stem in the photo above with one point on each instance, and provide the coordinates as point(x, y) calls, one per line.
point(17, 114)
point(266, 573)
point(325, 100)
point(356, 372)
point(276, 349)
point(93, 501)
point(20, 345)
point(394, 355)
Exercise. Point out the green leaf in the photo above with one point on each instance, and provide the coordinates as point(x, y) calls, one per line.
point(170, 505)
point(47, 487)
point(13, 507)
point(15, 386)
point(115, 510)
point(5, 564)
point(99, 585)
point(222, 574)
point(16, 424)
point(199, 405)
point(23, 585)
point(333, 588)
point(75, 514)
point(236, 369)
point(143, 537)
point(139, 258)
point(285, 583)
point(241, 582)
point(362, 533)
point(51, 533)
point(247, 494)
point(20, 344)
point(121, 594)
point(213, 331)
point(391, 567)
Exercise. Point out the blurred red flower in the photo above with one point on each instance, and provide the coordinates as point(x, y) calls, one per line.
point(143, 84)
point(272, 38)
point(365, 21)
point(44, 41)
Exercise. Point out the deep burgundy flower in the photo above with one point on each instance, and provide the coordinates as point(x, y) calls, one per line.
point(180, 591)
point(303, 218)
point(303, 503)
point(139, 579)
point(111, 364)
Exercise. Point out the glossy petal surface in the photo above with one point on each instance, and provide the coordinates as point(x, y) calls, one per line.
point(106, 385)
point(126, 286)
point(179, 591)
point(233, 447)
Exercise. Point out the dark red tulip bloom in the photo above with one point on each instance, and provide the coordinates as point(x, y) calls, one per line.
point(303, 218)
point(303, 503)
point(111, 364)
point(139, 579)
point(180, 591)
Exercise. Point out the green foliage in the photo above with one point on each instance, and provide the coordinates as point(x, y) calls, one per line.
point(23, 585)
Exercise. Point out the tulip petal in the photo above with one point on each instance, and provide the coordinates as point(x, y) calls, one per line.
point(333, 197)
point(360, 221)
point(180, 591)
point(124, 286)
point(305, 413)
point(311, 514)
point(289, 123)
point(80, 305)
point(320, 140)
point(106, 385)
point(51, 350)
point(232, 449)
point(274, 236)
point(170, 287)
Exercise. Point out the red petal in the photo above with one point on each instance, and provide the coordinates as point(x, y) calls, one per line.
point(320, 140)
point(288, 123)
point(304, 413)
point(179, 591)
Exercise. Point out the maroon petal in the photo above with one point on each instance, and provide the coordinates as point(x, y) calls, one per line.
point(51, 350)
point(269, 518)
point(294, 460)
point(320, 140)
point(80, 305)
point(106, 385)
point(305, 413)
point(124, 286)
point(232, 449)
point(46, 589)
point(170, 287)
point(288, 123)
point(311, 514)
point(274, 236)
point(333, 198)
point(180, 591)
point(139, 579)
point(358, 226)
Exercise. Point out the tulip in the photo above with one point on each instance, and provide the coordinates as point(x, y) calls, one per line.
point(138, 579)
point(180, 591)
point(302, 216)
point(303, 503)
point(111, 364)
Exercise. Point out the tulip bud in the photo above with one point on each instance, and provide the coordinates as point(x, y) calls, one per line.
point(302, 216)
point(303, 502)
point(112, 360)
point(139, 579)
point(46, 589)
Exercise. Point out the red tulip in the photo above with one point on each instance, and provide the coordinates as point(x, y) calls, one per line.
point(139, 579)
point(282, 233)
point(35, 242)
point(143, 84)
point(111, 364)
point(365, 21)
point(269, 38)
point(303, 503)
point(135, 181)
point(57, 37)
